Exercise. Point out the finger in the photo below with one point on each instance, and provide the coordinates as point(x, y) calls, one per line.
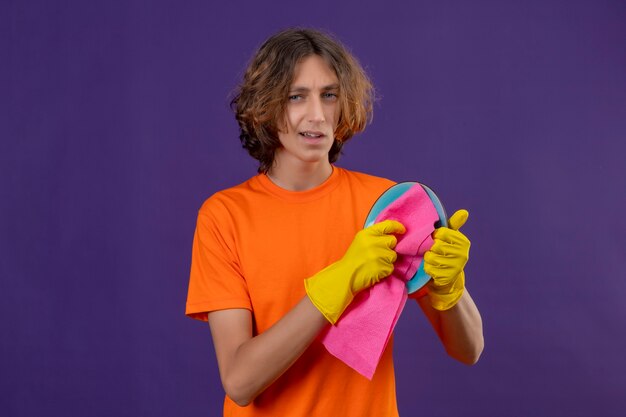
point(385, 271)
point(435, 260)
point(440, 275)
point(387, 227)
point(449, 250)
point(453, 237)
point(442, 281)
point(429, 270)
point(392, 257)
point(458, 219)
point(390, 241)
point(438, 247)
point(445, 254)
point(443, 248)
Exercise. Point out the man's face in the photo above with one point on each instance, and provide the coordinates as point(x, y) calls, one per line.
point(312, 114)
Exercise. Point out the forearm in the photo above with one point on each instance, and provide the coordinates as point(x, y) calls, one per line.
point(248, 364)
point(459, 328)
point(260, 360)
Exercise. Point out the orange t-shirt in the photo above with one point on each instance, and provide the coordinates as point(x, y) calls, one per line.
point(253, 247)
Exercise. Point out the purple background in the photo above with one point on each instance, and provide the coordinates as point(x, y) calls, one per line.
point(115, 127)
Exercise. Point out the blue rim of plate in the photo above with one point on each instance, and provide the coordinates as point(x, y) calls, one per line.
point(392, 194)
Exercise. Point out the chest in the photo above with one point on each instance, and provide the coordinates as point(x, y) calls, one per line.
point(285, 243)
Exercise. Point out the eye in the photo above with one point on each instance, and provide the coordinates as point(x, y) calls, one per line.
point(330, 96)
point(295, 97)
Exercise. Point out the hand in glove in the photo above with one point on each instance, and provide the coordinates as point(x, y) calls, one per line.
point(445, 261)
point(369, 259)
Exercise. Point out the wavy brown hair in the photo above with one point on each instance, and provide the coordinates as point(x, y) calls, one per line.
point(261, 100)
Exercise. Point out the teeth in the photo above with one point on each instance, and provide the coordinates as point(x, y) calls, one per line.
point(310, 135)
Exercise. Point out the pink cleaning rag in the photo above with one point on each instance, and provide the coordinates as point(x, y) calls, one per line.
point(359, 338)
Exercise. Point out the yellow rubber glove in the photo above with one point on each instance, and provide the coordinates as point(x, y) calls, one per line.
point(369, 259)
point(445, 261)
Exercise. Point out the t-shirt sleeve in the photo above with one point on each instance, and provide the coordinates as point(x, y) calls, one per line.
point(419, 293)
point(216, 281)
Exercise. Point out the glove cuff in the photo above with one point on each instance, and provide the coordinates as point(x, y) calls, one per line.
point(445, 297)
point(326, 297)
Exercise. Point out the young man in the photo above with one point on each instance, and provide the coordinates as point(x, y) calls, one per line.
point(281, 256)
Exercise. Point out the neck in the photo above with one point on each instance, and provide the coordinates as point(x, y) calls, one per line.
point(300, 178)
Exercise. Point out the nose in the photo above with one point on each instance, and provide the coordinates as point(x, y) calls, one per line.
point(316, 110)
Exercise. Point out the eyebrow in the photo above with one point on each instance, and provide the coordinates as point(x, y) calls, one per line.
point(297, 89)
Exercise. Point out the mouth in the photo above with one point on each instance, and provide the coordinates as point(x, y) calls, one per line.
point(312, 134)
